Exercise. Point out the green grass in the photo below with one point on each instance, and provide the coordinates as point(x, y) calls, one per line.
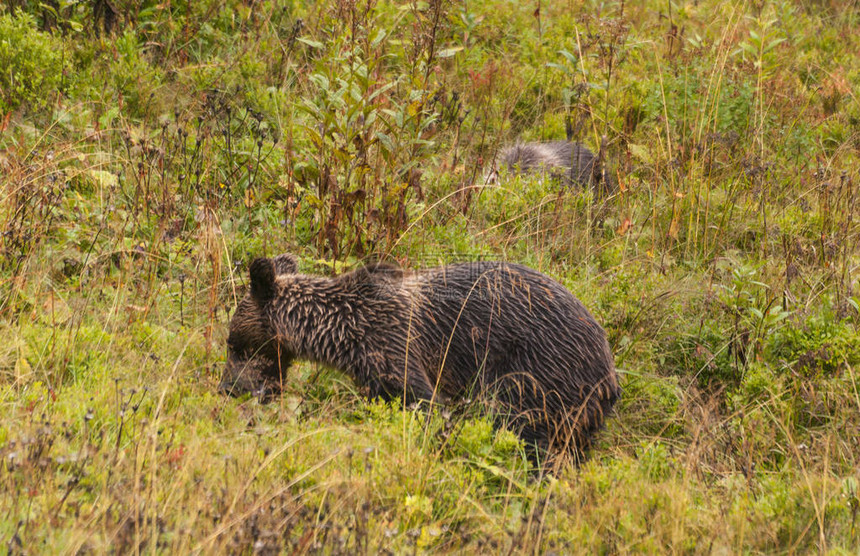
point(149, 151)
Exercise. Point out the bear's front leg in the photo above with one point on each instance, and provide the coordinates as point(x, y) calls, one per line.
point(386, 379)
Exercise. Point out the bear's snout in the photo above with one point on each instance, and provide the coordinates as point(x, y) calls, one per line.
point(250, 376)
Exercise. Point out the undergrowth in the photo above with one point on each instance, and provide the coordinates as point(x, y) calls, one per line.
point(150, 150)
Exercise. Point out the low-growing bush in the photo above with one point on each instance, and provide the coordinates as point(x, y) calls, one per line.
point(31, 63)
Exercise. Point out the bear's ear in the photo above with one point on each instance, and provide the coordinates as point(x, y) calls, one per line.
point(285, 264)
point(262, 273)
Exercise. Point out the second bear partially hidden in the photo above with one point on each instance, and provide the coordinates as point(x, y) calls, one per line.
point(570, 163)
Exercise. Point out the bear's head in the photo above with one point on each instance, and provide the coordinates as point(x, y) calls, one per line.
point(256, 362)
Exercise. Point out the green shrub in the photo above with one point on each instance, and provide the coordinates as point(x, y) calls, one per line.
point(133, 76)
point(31, 61)
point(821, 347)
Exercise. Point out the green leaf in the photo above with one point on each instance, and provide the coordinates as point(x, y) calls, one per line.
point(103, 179)
point(570, 57)
point(380, 35)
point(386, 141)
point(640, 152)
point(312, 43)
point(448, 52)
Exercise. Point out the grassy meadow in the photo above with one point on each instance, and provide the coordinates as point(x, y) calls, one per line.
point(150, 150)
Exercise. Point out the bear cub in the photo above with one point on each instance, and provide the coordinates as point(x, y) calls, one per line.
point(501, 332)
point(573, 164)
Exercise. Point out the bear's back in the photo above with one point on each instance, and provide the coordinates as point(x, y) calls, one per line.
point(501, 318)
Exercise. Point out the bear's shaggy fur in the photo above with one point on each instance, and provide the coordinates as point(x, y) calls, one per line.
point(572, 163)
point(500, 331)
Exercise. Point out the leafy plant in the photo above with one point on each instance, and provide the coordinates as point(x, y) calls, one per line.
point(32, 62)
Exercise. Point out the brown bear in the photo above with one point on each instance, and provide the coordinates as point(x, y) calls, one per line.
point(571, 163)
point(499, 331)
